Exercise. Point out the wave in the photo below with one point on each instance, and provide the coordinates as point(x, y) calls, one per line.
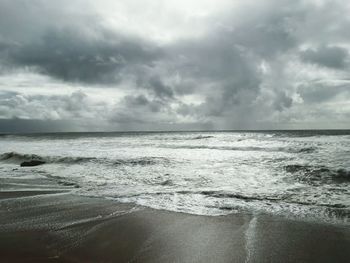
point(143, 161)
point(208, 193)
point(277, 198)
point(318, 174)
point(310, 133)
point(201, 137)
point(219, 194)
point(182, 138)
point(249, 148)
point(19, 157)
point(305, 150)
point(245, 198)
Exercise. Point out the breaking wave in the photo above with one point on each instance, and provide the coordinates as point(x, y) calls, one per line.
point(141, 161)
point(19, 157)
point(15, 157)
point(245, 198)
point(318, 174)
point(258, 149)
point(202, 137)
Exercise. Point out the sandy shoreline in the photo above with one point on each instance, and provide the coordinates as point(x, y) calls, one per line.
point(57, 226)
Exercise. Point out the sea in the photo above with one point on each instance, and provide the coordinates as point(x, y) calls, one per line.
point(295, 174)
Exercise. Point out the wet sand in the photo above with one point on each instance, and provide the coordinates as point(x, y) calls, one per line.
point(54, 225)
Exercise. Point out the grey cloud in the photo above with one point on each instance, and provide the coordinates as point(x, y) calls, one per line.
point(75, 57)
point(41, 107)
point(265, 28)
point(327, 56)
point(161, 89)
point(282, 102)
point(140, 101)
point(322, 92)
point(154, 84)
point(140, 109)
point(323, 22)
point(222, 68)
point(223, 73)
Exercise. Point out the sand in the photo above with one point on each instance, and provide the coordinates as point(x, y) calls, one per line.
point(54, 225)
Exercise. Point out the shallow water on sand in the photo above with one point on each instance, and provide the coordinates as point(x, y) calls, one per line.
point(293, 173)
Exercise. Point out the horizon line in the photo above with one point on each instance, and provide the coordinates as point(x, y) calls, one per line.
point(174, 131)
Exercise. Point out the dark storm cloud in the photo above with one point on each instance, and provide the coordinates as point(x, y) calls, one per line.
point(282, 102)
point(244, 70)
point(265, 28)
point(224, 64)
point(140, 109)
point(72, 56)
point(154, 84)
point(322, 92)
point(140, 101)
point(220, 72)
point(332, 57)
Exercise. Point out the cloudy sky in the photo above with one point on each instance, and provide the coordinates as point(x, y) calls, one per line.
point(84, 65)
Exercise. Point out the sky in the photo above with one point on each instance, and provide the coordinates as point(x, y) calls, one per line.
point(107, 65)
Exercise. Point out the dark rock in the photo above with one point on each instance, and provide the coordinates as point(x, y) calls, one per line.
point(32, 163)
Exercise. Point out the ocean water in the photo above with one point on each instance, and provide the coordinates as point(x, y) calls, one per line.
point(301, 174)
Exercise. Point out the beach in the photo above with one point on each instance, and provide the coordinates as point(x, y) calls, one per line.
point(175, 197)
point(50, 224)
